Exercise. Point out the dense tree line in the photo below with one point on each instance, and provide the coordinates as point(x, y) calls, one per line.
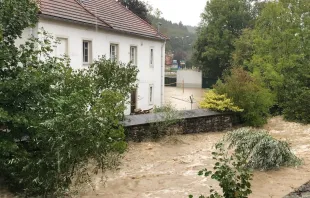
point(269, 42)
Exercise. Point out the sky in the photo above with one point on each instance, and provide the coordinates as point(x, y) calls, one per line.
point(187, 11)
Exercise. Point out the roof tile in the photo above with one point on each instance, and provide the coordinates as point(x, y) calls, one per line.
point(104, 13)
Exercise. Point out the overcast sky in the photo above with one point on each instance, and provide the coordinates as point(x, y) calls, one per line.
point(187, 11)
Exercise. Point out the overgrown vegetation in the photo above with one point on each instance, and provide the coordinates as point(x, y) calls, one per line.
point(281, 55)
point(165, 123)
point(260, 150)
point(270, 41)
point(232, 173)
point(55, 121)
point(217, 102)
point(248, 93)
point(222, 23)
point(238, 153)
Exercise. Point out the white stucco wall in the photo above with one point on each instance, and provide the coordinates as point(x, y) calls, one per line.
point(26, 34)
point(191, 78)
point(101, 40)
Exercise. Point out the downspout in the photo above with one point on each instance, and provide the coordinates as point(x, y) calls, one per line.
point(162, 72)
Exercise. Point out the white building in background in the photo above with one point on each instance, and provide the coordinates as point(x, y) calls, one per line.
point(88, 29)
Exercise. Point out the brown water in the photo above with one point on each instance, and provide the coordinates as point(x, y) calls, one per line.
point(179, 98)
point(168, 169)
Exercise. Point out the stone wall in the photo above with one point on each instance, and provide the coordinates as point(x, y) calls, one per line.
point(210, 122)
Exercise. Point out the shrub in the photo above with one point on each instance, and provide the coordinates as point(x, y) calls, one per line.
point(249, 94)
point(55, 121)
point(218, 102)
point(168, 108)
point(260, 149)
point(165, 123)
point(296, 104)
point(232, 173)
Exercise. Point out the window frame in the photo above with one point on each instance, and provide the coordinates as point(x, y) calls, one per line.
point(135, 62)
point(116, 58)
point(151, 94)
point(89, 52)
point(152, 57)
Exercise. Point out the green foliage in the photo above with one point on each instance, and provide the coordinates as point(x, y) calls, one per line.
point(165, 108)
point(277, 49)
point(260, 149)
point(164, 124)
point(217, 102)
point(55, 121)
point(222, 23)
point(249, 94)
point(232, 173)
point(243, 49)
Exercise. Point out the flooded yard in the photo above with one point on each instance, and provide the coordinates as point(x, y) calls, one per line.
point(169, 168)
point(181, 99)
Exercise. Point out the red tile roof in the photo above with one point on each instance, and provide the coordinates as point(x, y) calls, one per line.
point(108, 14)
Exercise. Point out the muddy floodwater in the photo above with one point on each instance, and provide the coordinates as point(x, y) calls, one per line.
point(180, 98)
point(168, 168)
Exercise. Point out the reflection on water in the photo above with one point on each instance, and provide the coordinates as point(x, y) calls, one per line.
point(181, 100)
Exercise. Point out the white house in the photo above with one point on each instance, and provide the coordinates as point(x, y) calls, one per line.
point(88, 29)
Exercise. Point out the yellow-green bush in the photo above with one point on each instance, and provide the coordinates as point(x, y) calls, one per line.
point(218, 102)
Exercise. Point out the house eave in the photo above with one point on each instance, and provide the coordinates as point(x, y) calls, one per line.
point(103, 27)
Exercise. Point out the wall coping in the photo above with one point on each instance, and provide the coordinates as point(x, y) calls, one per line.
point(142, 119)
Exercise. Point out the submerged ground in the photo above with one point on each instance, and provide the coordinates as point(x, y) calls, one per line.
point(169, 168)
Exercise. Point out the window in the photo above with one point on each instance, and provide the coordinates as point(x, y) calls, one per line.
point(151, 94)
point(114, 52)
point(133, 55)
point(86, 52)
point(61, 48)
point(152, 57)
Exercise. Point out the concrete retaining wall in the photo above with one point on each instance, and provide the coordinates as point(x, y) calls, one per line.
point(141, 127)
point(192, 78)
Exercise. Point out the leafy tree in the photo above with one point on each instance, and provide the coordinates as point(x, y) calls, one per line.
point(244, 49)
point(55, 121)
point(248, 93)
point(278, 51)
point(232, 173)
point(138, 7)
point(222, 23)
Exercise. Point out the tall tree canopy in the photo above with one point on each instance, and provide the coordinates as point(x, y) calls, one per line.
point(222, 23)
point(278, 50)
